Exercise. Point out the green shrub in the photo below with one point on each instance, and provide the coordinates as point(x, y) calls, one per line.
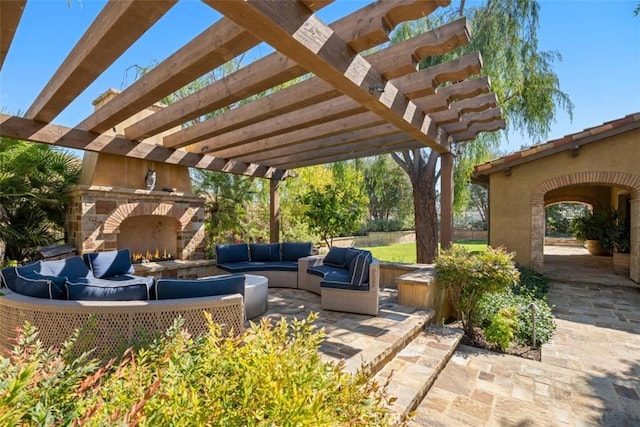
point(545, 325)
point(270, 376)
point(531, 283)
point(470, 276)
point(501, 327)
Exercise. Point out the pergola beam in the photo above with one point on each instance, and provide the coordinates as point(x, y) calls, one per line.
point(295, 31)
point(218, 44)
point(277, 69)
point(61, 136)
point(10, 15)
point(118, 26)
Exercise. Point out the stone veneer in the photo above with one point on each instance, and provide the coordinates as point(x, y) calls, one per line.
point(96, 213)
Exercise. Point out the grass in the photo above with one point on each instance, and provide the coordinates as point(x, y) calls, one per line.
point(406, 252)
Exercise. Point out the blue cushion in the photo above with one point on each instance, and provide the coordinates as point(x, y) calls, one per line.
point(323, 270)
point(10, 274)
point(71, 268)
point(349, 256)
point(265, 252)
point(245, 267)
point(343, 285)
point(359, 268)
point(109, 263)
point(335, 257)
point(106, 290)
point(294, 251)
point(232, 253)
point(40, 286)
point(216, 285)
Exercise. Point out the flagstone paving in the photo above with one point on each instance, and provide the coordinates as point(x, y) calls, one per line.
point(589, 374)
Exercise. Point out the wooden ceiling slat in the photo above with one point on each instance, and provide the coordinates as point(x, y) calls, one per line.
point(316, 144)
point(458, 108)
point(10, 15)
point(322, 153)
point(61, 136)
point(359, 121)
point(467, 120)
point(118, 26)
point(293, 30)
point(476, 128)
point(215, 46)
point(425, 81)
point(373, 24)
point(323, 112)
point(398, 59)
point(276, 69)
point(410, 145)
point(437, 102)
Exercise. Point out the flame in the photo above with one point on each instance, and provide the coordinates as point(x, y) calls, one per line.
point(151, 256)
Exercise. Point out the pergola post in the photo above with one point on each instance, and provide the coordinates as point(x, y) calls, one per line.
point(446, 200)
point(274, 210)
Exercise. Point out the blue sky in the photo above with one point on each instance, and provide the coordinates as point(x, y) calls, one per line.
point(598, 40)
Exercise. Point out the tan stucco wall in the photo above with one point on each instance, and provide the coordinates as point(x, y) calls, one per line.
point(598, 196)
point(511, 196)
point(110, 170)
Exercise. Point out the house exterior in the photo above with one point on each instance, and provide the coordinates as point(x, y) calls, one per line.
point(599, 166)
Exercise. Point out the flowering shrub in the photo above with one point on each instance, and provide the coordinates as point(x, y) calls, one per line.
point(272, 375)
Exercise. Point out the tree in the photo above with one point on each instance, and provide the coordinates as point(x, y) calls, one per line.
point(527, 89)
point(389, 192)
point(336, 209)
point(33, 180)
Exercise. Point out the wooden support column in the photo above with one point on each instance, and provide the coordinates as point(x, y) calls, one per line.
point(446, 200)
point(274, 210)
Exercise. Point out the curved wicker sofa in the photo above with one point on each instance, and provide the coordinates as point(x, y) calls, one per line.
point(108, 326)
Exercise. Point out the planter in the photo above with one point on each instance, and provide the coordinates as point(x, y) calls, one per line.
point(594, 247)
point(621, 263)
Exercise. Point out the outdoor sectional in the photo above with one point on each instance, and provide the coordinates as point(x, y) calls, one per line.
point(100, 293)
point(347, 279)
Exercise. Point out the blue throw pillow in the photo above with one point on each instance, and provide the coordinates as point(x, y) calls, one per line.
point(216, 285)
point(294, 251)
point(9, 274)
point(107, 292)
point(232, 253)
point(109, 263)
point(40, 286)
point(349, 256)
point(335, 257)
point(265, 252)
point(359, 268)
point(71, 268)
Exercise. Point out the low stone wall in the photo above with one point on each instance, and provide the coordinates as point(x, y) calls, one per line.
point(394, 237)
point(470, 235)
point(562, 241)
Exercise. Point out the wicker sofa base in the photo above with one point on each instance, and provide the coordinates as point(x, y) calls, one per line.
point(109, 326)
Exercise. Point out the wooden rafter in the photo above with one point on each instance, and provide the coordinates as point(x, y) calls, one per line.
point(476, 128)
point(119, 24)
point(218, 44)
point(276, 69)
point(305, 39)
point(10, 14)
point(32, 130)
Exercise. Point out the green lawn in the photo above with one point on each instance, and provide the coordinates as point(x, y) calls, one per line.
point(406, 252)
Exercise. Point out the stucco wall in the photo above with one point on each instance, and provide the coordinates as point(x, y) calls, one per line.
point(511, 196)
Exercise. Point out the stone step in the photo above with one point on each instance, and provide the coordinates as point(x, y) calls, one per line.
point(411, 373)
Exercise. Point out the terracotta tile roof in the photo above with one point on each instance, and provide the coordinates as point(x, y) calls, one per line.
point(568, 142)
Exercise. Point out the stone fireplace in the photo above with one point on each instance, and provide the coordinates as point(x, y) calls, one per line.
point(112, 208)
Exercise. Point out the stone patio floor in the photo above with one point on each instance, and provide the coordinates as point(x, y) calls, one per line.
point(589, 374)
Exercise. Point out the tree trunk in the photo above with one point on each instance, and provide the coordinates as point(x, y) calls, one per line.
point(422, 173)
point(424, 203)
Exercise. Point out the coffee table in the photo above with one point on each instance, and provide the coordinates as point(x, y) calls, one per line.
point(256, 291)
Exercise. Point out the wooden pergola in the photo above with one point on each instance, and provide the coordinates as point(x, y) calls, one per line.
point(351, 105)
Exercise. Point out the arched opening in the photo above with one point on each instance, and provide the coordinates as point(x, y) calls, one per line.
point(602, 190)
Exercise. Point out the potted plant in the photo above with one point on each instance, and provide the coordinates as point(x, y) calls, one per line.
point(622, 249)
point(598, 229)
